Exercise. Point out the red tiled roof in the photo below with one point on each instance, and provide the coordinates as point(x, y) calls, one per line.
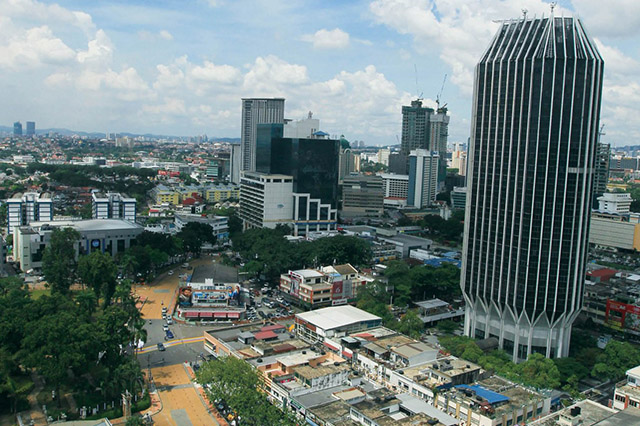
point(264, 335)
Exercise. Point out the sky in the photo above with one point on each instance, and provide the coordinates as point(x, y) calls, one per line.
point(181, 67)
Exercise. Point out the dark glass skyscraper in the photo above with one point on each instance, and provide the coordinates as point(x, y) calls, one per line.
point(532, 156)
point(313, 163)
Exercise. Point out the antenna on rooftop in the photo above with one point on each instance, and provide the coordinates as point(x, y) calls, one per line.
point(524, 13)
point(553, 6)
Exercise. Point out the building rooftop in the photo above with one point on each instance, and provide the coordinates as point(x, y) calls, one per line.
point(590, 414)
point(416, 405)
point(91, 224)
point(408, 239)
point(308, 273)
point(431, 304)
point(336, 316)
point(308, 372)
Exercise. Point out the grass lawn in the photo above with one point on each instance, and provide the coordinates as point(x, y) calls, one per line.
point(38, 293)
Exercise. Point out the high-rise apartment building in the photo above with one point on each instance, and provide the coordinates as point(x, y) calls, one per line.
point(257, 111)
point(425, 128)
point(601, 175)
point(113, 205)
point(22, 209)
point(423, 178)
point(362, 195)
point(235, 163)
point(531, 167)
point(31, 128)
point(346, 163)
point(17, 128)
point(396, 189)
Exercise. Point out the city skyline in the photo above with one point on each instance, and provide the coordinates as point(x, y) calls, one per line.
point(182, 70)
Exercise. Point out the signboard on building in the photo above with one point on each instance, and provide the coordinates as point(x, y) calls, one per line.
point(622, 316)
point(296, 280)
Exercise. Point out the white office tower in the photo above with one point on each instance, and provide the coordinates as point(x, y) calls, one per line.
point(532, 152)
point(112, 206)
point(265, 200)
point(257, 111)
point(304, 128)
point(423, 178)
point(22, 209)
point(615, 202)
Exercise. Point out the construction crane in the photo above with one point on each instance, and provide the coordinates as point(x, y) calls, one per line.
point(419, 97)
point(444, 80)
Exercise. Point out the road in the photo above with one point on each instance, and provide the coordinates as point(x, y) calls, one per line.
point(182, 404)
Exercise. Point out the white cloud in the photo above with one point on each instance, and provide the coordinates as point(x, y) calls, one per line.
point(155, 36)
point(32, 48)
point(52, 13)
point(210, 72)
point(270, 75)
point(459, 29)
point(166, 35)
point(328, 39)
point(620, 18)
point(171, 107)
point(99, 51)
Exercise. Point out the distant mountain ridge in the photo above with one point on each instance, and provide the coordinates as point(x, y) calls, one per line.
point(100, 135)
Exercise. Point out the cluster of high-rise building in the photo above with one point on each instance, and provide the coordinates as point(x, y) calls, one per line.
point(289, 170)
point(30, 130)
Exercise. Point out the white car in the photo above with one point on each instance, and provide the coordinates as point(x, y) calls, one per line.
point(169, 320)
point(170, 272)
point(165, 327)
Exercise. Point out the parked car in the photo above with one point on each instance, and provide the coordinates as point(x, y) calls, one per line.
point(161, 347)
point(169, 320)
point(170, 273)
point(165, 327)
point(169, 335)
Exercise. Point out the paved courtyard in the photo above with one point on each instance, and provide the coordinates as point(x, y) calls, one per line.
point(181, 402)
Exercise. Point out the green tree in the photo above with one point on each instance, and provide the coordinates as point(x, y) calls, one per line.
point(447, 326)
point(374, 299)
point(134, 421)
point(3, 215)
point(238, 384)
point(194, 235)
point(539, 372)
point(57, 341)
point(59, 259)
point(568, 367)
point(87, 302)
point(615, 360)
point(411, 325)
point(98, 271)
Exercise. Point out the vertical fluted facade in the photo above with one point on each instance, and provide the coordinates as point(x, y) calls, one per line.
point(533, 147)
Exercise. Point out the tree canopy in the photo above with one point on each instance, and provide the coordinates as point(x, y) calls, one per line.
point(235, 382)
point(59, 259)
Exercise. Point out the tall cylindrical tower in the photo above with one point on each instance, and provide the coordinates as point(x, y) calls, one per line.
point(533, 147)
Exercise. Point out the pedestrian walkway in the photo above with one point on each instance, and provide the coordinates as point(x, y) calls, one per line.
point(170, 343)
point(179, 403)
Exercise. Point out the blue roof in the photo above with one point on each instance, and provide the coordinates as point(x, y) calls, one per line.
point(450, 254)
point(438, 261)
point(321, 133)
point(491, 396)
